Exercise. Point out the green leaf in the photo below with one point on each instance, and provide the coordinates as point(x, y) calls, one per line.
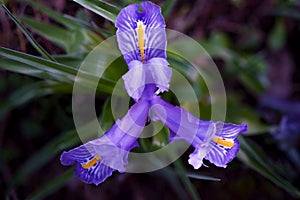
point(251, 155)
point(32, 91)
point(23, 95)
point(34, 43)
point(69, 40)
point(286, 12)
point(18, 67)
point(201, 177)
point(56, 71)
point(186, 181)
point(167, 7)
point(277, 36)
point(62, 19)
point(52, 186)
point(169, 174)
point(60, 36)
point(64, 141)
point(55, 68)
point(106, 117)
point(101, 8)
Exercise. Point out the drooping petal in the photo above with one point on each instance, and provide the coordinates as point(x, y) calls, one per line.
point(141, 32)
point(224, 144)
point(95, 174)
point(214, 141)
point(97, 159)
point(220, 155)
point(89, 167)
point(196, 158)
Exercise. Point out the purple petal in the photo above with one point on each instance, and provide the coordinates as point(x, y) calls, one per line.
point(88, 169)
point(97, 159)
point(152, 36)
point(230, 131)
point(224, 144)
point(96, 174)
point(155, 72)
point(220, 155)
point(214, 141)
point(134, 79)
point(161, 73)
point(182, 123)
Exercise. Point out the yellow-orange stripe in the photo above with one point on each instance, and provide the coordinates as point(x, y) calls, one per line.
point(141, 37)
point(91, 163)
point(223, 142)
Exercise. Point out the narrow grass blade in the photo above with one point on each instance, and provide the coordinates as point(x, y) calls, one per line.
point(186, 181)
point(201, 177)
point(257, 160)
point(62, 19)
point(43, 156)
point(52, 186)
point(34, 43)
point(101, 8)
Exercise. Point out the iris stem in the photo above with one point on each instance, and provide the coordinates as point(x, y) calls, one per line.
point(186, 181)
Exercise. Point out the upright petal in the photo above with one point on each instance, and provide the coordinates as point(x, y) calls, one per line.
point(97, 159)
point(134, 79)
point(141, 32)
point(155, 72)
point(161, 73)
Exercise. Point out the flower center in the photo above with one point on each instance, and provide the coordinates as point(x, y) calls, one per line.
point(91, 163)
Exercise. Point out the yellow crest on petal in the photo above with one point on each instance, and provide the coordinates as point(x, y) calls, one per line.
point(223, 142)
point(141, 39)
point(91, 163)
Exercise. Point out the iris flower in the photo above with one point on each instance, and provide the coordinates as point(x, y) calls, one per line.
point(142, 40)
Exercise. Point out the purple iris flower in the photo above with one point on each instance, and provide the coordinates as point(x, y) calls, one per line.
point(214, 141)
point(97, 159)
point(142, 41)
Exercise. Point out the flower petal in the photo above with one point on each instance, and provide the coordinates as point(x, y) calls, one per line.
point(95, 174)
point(89, 168)
point(141, 34)
point(161, 73)
point(97, 159)
point(196, 158)
point(220, 155)
point(214, 141)
point(224, 145)
point(134, 79)
point(182, 124)
point(156, 72)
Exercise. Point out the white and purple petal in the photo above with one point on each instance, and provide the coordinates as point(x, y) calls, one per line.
point(134, 79)
point(214, 141)
point(224, 145)
point(161, 73)
point(89, 167)
point(140, 75)
point(141, 32)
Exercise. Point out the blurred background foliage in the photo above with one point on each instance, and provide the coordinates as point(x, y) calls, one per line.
point(255, 45)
